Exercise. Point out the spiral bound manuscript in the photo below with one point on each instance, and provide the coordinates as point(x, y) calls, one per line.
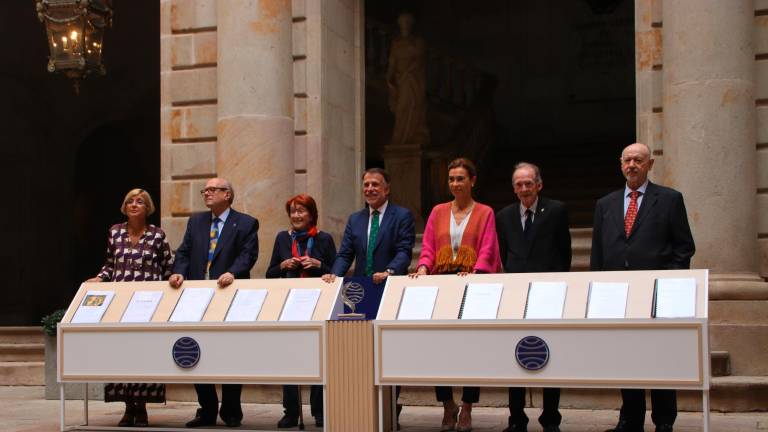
point(674, 298)
point(480, 301)
point(545, 300)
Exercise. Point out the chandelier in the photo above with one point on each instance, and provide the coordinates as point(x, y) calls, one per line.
point(75, 31)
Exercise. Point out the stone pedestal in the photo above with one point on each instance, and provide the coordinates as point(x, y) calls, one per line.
point(404, 166)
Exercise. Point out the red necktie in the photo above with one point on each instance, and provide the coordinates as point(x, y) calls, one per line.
point(629, 218)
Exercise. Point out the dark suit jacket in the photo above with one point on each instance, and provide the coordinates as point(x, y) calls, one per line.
point(236, 250)
point(660, 238)
point(548, 246)
point(394, 243)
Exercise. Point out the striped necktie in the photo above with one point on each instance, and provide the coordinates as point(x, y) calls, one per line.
point(214, 239)
point(372, 243)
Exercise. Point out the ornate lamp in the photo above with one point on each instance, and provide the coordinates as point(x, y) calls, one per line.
point(75, 35)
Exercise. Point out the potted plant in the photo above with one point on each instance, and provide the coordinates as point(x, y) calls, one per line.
point(50, 323)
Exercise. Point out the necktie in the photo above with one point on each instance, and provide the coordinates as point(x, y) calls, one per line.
point(629, 218)
point(371, 243)
point(212, 244)
point(528, 220)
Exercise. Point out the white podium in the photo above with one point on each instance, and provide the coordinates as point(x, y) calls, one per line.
point(265, 351)
point(635, 352)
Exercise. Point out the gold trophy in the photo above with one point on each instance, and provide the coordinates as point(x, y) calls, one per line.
point(351, 294)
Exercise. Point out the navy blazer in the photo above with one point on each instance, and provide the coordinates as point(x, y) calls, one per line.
point(660, 238)
point(548, 245)
point(236, 250)
point(394, 242)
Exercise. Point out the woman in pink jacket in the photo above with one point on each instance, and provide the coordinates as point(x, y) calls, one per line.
point(460, 238)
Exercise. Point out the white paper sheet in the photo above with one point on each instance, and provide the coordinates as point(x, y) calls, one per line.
point(545, 300)
point(481, 300)
point(300, 304)
point(93, 306)
point(142, 306)
point(607, 300)
point(246, 305)
point(417, 303)
point(192, 304)
point(675, 298)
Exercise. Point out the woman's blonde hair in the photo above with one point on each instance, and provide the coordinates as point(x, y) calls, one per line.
point(141, 193)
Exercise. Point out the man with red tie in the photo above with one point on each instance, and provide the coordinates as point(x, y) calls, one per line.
point(643, 226)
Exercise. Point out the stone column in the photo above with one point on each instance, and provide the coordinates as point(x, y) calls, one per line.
point(255, 112)
point(709, 136)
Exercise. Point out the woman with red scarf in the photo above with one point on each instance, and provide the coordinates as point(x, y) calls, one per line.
point(301, 251)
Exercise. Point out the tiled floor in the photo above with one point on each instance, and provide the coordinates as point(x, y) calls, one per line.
point(25, 410)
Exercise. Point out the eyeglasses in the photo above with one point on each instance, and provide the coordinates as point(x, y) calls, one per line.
point(212, 189)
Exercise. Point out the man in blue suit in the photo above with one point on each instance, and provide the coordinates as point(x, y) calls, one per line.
point(388, 227)
point(218, 245)
point(378, 238)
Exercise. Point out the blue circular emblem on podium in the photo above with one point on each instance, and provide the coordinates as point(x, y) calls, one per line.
point(186, 352)
point(532, 353)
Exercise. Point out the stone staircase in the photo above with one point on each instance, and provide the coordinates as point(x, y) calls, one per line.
point(21, 356)
point(581, 246)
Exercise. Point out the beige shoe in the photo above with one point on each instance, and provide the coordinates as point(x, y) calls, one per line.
point(465, 419)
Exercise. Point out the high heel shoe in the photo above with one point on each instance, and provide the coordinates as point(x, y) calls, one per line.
point(129, 417)
point(141, 419)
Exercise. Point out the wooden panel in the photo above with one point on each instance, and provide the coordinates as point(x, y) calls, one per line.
point(352, 398)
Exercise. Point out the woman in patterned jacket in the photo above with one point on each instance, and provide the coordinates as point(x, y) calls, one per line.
point(136, 251)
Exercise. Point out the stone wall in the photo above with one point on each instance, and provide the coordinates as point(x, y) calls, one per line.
point(328, 86)
point(650, 105)
point(216, 122)
point(761, 78)
point(648, 78)
point(702, 106)
point(188, 108)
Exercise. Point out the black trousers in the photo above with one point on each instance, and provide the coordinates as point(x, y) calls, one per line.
point(550, 415)
point(209, 401)
point(663, 407)
point(468, 395)
point(291, 400)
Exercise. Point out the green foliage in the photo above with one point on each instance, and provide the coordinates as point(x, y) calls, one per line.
point(51, 321)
